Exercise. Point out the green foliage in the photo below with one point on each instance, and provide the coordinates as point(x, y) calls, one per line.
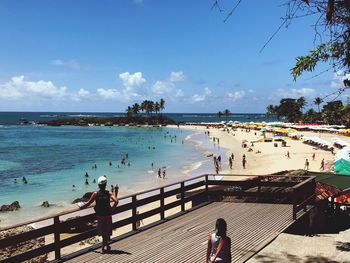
point(309, 62)
point(146, 106)
point(333, 112)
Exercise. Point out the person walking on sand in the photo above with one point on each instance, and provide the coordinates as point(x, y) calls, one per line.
point(306, 166)
point(159, 173)
point(244, 161)
point(313, 156)
point(230, 162)
point(103, 211)
point(219, 244)
point(322, 165)
point(164, 172)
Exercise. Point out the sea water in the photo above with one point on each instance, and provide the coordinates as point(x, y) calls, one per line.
point(53, 159)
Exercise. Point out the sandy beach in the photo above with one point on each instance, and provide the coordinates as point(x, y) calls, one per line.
point(271, 159)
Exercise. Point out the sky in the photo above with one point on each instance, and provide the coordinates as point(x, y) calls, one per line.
point(104, 55)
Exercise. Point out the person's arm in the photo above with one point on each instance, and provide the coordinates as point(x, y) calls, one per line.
point(220, 246)
point(91, 200)
point(114, 199)
point(208, 250)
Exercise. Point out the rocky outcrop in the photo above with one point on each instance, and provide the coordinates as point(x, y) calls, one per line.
point(84, 198)
point(21, 247)
point(12, 207)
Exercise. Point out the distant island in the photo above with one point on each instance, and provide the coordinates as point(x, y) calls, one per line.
point(146, 113)
point(158, 120)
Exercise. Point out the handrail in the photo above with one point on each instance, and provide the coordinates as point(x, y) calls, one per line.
point(59, 227)
point(310, 178)
point(70, 211)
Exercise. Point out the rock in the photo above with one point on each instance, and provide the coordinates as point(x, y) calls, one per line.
point(12, 207)
point(85, 198)
point(21, 247)
point(81, 227)
point(45, 204)
point(90, 241)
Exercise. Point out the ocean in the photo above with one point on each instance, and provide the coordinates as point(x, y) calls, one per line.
point(53, 159)
point(15, 118)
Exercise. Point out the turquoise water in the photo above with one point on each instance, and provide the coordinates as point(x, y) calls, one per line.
point(55, 158)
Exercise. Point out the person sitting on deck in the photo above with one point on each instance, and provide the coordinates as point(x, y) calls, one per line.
point(103, 210)
point(219, 244)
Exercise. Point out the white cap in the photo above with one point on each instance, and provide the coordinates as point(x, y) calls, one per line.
point(102, 180)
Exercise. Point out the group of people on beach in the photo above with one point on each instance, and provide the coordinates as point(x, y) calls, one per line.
point(217, 163)
point(218, 245)
point(307, 163)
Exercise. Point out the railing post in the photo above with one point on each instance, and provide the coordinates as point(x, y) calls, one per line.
point(134, 213)
point(56, 223)
point(259, 187)
point(162, 204)
point(206, 188)
point(182, 196)
point(294, 205)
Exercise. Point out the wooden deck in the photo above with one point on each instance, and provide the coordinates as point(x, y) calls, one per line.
point(251, 226)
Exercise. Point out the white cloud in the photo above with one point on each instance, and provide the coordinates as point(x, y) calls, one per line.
point(179, 93)
point(19, 87)
point(132, 80)
point(199, 98)
point(83, 93)
point(295, 93)
point(162, 87)
point(236, 95)
point(338, 78)
point(69, 63)
point(57, 62)
point(177, 76)
point(109, 93)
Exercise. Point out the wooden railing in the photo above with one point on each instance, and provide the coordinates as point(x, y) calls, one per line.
point(202, 188)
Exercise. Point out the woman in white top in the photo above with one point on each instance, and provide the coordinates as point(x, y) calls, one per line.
point(219, 245)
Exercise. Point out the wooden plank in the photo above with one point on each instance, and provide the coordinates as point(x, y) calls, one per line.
point(250, 226)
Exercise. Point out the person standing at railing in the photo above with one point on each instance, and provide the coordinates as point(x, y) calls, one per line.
point(219, 244)
point(103, 210)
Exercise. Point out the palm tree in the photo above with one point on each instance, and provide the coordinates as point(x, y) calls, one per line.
point(271, 110)
point(129, 112)
point(318, 102)
point(143, 106)
point(162, 104)
point(301, 103)
point(156, 107)
point(219, 114)
point(227, 113)
point(136, 108)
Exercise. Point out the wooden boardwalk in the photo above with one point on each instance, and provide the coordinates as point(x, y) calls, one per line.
point(251, 226)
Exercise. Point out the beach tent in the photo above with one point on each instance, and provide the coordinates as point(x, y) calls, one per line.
point(342, 166)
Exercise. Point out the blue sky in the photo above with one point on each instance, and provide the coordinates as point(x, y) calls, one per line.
point(104, 55)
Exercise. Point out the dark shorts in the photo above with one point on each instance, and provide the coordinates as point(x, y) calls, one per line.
point(104, 225)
